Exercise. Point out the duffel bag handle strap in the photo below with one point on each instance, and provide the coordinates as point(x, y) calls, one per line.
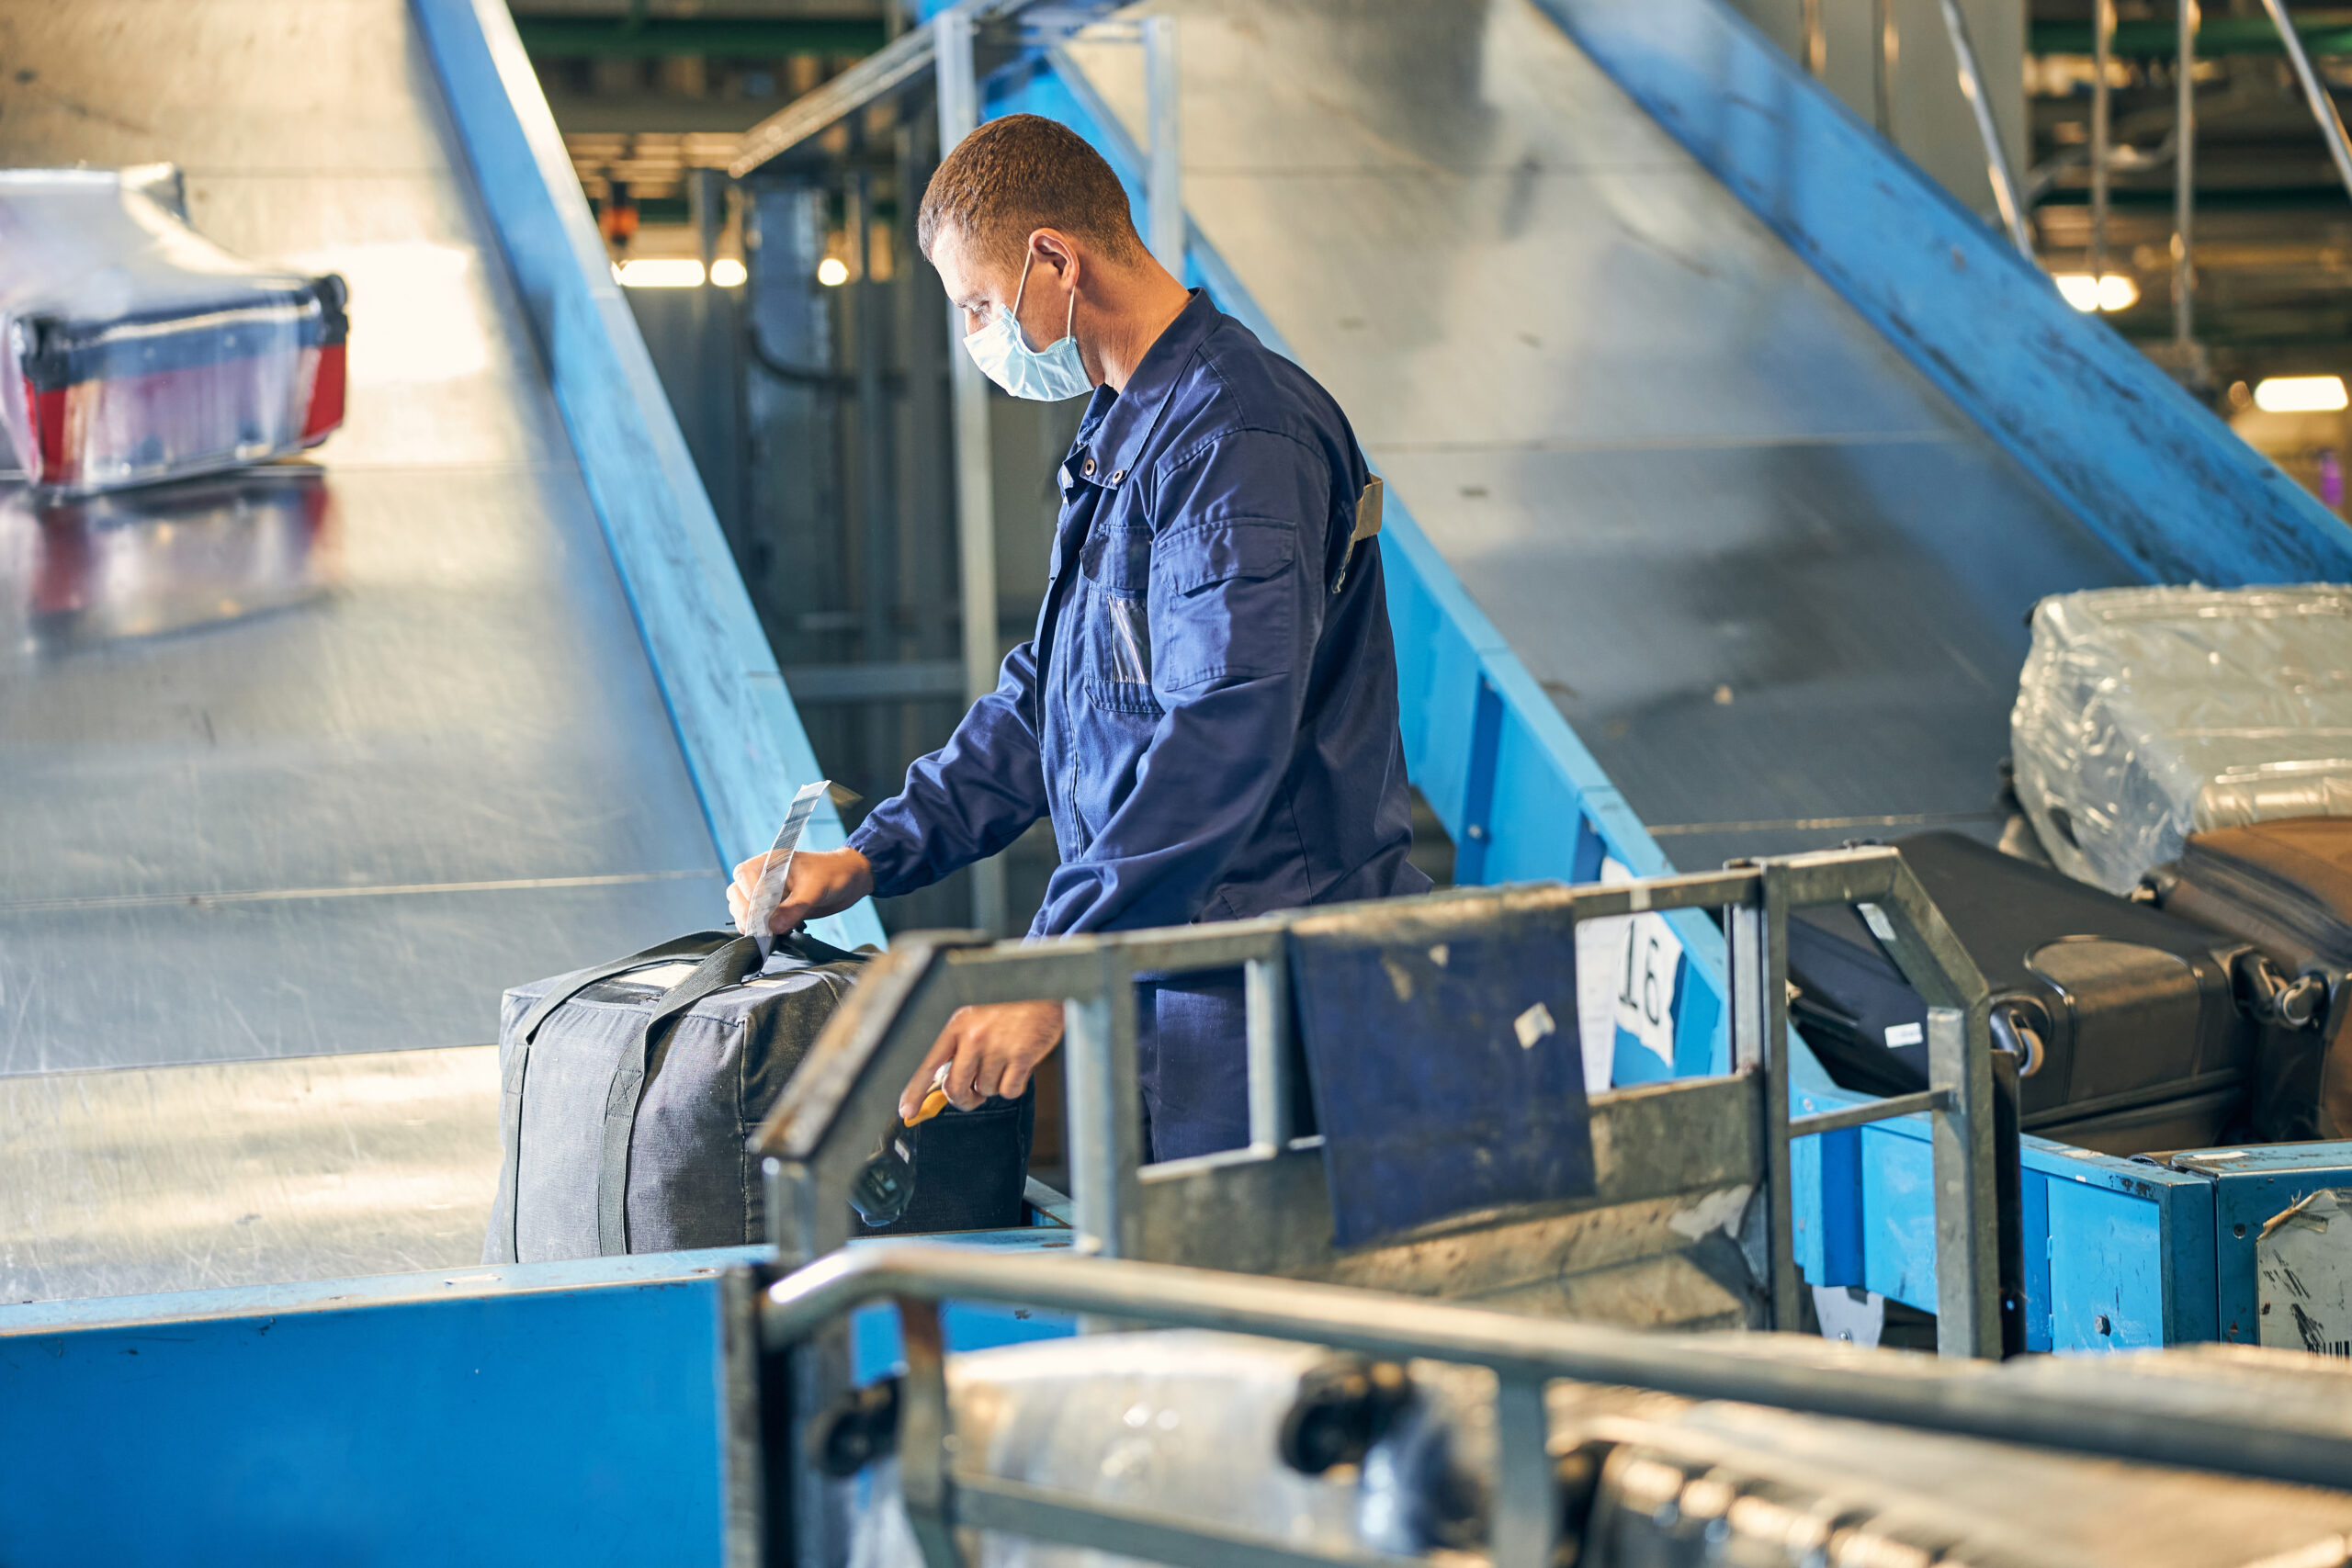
point(730, 965)
point(816, 950)
point(696, 944)
point(505, 1216)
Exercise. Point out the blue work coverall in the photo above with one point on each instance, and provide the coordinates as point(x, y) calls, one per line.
point(1208, 709)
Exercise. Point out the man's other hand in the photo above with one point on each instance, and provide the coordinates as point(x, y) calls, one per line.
point(820, 883)
point(994, 1050)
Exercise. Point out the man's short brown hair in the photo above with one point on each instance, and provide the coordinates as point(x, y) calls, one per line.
point(1015, 175)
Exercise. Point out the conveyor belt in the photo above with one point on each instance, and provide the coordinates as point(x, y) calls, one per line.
point(292, 778)
point(1773, 577)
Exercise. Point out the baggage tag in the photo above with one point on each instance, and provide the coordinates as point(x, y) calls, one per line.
point(1626, 973)
point(769, 894)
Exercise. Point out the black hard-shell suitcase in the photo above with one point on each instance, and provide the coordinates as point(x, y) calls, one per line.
point(2285, 887)
point(2126, 1020)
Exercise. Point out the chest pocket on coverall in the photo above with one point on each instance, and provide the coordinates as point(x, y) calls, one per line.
point(1115, 661)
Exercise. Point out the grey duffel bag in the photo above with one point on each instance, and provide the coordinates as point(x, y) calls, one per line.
point(632, 1089)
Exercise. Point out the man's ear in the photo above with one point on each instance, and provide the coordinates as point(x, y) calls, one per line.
point(1052, 248)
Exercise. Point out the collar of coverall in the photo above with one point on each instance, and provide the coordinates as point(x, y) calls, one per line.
point(1127, 425)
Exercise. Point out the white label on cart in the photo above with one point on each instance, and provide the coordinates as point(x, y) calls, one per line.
point(2304, 1269)
point(1905, 1034)
point(1625, 970)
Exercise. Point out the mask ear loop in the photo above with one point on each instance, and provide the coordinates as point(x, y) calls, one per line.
point(1069, 320)
point(1020, 290)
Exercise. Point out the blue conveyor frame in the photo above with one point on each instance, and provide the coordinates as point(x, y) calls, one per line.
point(491, 1415)
point(741, 738)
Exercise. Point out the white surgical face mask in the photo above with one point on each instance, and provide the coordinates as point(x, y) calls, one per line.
point(1045, 374)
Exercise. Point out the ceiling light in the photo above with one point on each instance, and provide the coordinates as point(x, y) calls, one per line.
point(2080, 289)
point(2110, 291)
point(832, 272)
point(661, 272)
point(728, 272)
point(2300, 394)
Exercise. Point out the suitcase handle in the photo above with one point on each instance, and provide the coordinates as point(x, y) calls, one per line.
point(2270, 996)
point(2014, 1033)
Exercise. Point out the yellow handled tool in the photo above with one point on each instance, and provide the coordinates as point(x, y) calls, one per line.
point(933, 1102)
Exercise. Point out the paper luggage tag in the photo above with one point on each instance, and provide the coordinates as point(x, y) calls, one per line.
point(1368, 506)
point(769, 894)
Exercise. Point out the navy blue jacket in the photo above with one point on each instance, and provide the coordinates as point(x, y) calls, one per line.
point(1208, 709)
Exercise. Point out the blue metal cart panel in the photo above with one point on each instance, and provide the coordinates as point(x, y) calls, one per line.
point(2127, 1276)
point(2128, 1242)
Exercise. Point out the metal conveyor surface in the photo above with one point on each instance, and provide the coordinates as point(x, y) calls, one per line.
point(309, 761)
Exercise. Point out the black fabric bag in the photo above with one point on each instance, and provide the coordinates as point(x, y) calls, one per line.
point(2128, 1017)
point(2286, 887)
point(631, 1092)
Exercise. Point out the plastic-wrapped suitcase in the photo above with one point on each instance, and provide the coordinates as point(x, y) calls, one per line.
point(2126, 1020)
point(2287, 888)
point(132, 349)
point(632, 1090)
point(2145, 715)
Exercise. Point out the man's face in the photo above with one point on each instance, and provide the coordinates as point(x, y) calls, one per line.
point(980, 286)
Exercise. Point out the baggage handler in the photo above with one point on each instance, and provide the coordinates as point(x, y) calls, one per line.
point(1207, 711)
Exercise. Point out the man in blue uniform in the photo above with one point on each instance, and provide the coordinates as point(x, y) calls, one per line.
point(1208, 709)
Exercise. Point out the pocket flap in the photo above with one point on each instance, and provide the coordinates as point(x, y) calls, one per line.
point(1225, 552)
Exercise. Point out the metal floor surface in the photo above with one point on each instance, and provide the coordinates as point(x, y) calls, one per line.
point(320, 759)
point(1773, 578)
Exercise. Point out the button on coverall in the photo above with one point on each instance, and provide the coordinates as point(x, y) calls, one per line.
point(1208, 709)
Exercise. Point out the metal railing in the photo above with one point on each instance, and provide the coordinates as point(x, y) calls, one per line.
point(2082, 1407)
point(2005, 197)
point(822, 1131)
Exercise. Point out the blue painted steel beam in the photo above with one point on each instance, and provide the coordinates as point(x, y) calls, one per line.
point(535, 1413)
point(2142, 464)
point(734, 720)
point(552, 1412)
